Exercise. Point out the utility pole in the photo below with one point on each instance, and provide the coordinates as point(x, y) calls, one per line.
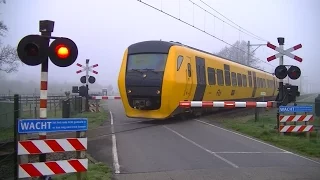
point(248, 51)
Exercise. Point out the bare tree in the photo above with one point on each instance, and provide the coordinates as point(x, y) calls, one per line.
point(237, 53)
point(9, 60)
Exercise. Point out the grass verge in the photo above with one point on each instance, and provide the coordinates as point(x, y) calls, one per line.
point(264, 130)
point(95, 119)
point(96, 171)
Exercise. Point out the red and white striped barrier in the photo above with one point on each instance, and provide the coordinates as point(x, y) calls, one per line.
point(296, 128)
point(106, 97)
point(51, 145)
point(52, 168)
point(295, 118)
point(226, 104)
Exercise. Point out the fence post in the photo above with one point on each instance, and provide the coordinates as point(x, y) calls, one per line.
point(66, 108)
point(16, 116)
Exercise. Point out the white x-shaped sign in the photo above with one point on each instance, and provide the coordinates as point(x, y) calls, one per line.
point(284, 52)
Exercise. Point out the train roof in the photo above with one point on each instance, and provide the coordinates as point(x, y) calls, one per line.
point(164, 46)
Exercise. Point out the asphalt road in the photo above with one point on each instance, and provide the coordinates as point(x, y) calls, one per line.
point(191, 149)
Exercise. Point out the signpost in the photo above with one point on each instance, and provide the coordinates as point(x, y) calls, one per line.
point(52, 125)
point(79, 144)
point(300, 109)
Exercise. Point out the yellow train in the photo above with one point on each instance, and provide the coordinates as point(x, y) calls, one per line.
point(156, 75)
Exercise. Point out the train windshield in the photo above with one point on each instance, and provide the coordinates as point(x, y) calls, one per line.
point(155, 62)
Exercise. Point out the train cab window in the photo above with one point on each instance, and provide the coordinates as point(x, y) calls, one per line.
point(239, 78)
point(179, 62)
point(211, 76)
point(227, 75)
point(234, 79)
point(244, 80)
point(220, 77)
point(189, 69)
point(250, 78)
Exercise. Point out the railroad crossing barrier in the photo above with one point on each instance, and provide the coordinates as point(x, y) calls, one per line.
point(227, 104)
point(106, 97)
point(95, 107)
point(289, 118)
point(41, 146)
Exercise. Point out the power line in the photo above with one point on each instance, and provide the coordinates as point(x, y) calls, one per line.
point(202, 31)
point(257, 37)
point(239, 28)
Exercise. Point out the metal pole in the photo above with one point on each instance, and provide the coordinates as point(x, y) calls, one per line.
point(44, 86)
point(87, 84)
point(248, 53)
point(281, 43)
point(16, 115)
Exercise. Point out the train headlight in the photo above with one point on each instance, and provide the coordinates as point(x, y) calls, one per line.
point(129, 91)
point(158, 92)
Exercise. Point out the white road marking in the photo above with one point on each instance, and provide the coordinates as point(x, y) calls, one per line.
point(114, 148)
point(284, 151)
point(203, 148)
point(227, 152)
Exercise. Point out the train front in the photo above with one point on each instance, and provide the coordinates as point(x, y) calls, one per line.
point(141, 80)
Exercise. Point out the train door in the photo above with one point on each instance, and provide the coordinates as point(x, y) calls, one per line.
point(188, 87)
point(254, 83)
point(201, 79)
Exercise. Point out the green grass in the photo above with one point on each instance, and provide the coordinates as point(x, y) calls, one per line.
point(264, 130)
point(97, 171)
point(6, 134)
point(95, 119)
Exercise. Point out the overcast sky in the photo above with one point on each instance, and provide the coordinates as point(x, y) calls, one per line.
point(103, 29)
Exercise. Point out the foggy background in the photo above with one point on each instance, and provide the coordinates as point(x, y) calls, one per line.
point(103, 29)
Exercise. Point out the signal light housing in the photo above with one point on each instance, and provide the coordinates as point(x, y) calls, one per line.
point(32, 50)
point(63, 52)
point(294, 72)
point(281, 72)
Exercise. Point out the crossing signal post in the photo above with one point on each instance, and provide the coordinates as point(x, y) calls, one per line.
point(84, 90)
point(34, 50)
point(287, 93)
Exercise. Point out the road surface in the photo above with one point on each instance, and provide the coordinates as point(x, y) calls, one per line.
point(191, 149)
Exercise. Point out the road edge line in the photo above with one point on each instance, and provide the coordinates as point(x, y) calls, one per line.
point(114, 147)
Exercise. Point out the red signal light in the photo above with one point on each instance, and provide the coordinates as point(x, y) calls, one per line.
point(62, 51)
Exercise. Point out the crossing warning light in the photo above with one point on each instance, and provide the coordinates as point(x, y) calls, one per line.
point(63, 52)
point(281, 72)
point(294, 72)
point(32, 50)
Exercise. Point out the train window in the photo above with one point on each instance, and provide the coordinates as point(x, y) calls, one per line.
point(258, 82)
point(220, 77)
point(239, 78)
point(264, 83)
point(211, 76)
point(234, 79)
point(189, 69)
point(244, 80)
point(227, 75)
point(250, 78)
point(179, 62)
